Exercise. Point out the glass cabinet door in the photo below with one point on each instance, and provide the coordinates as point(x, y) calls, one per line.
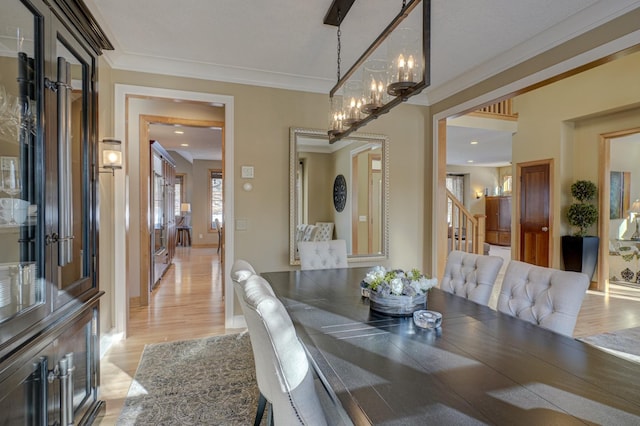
point(22, 292)
point(70, 212)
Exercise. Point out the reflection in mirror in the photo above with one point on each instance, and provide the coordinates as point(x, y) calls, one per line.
point(316, 193)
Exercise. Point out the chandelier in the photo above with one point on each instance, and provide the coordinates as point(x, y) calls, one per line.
point(395, 67)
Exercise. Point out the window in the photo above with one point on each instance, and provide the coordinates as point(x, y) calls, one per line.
point(215, 197)
point(506, 184)
point(179, 189)
point(455, 184)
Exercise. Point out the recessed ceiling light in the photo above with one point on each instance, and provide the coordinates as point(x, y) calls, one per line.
point(469, 161)
point(178, 132)
point(474, 142)
point(184, 144)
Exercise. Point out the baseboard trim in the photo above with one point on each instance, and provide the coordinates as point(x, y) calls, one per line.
point(108, 339)
point(237, 321)
point(134, 302)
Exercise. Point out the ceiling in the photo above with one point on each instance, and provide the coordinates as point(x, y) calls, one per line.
point(284, 43)
point(202, 143)
point(468, 146)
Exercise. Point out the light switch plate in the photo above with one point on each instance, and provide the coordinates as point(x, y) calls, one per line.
point(242, 224)
point(247, 172)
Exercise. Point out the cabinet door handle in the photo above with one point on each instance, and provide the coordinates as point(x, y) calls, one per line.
point(50, 239)
point(65, 172)
point(66, 389)
point(545, 229)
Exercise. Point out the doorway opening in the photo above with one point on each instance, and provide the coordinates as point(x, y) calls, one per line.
point(130, 103)
point(619, 182)
point(195, 146)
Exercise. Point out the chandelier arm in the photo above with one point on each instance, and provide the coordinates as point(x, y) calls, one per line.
point(339, 34)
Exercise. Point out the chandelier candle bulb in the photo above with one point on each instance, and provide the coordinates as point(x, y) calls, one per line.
point(410, 63)
point(373, 91)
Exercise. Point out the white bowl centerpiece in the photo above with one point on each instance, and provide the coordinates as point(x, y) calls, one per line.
point(396, 292)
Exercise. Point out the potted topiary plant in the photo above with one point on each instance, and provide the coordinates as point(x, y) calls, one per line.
point(580, 251)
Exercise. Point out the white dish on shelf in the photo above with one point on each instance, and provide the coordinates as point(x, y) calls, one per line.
point(17, 216)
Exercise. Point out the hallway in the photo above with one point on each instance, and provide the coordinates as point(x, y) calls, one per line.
point(187, 304)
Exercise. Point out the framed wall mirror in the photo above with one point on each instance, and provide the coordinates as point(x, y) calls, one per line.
point(339, 191)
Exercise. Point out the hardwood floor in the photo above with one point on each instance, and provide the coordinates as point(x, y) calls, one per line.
point(188, 304)
point(601, 313)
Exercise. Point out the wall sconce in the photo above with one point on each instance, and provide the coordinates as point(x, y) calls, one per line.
point(479, 195)
point(111, 154)
point(395, 67)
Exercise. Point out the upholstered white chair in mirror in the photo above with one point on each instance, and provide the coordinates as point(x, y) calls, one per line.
point(323, 254)
point(471, 276)
point(325, 231)
point(547, 297)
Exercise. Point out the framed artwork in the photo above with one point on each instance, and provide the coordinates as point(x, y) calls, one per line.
point(620, 194)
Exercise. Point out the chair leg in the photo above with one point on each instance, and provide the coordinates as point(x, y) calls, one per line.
point(270, 419)
point(262, 402)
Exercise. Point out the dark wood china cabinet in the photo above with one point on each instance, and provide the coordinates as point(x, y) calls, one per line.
point(49, 293)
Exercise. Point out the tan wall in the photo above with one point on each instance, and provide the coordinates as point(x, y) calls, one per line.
point(564, 121)
point(106, 246)
point(203, 235)
point(184, 167)
point(319, 189)
point(342, 165)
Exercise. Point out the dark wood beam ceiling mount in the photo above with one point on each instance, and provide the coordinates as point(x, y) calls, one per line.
point(333, 17)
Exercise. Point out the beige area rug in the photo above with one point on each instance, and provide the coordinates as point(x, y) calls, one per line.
point(623, 343)
point(208, 381)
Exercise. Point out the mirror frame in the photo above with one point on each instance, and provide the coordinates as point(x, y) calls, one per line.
point(294, 132)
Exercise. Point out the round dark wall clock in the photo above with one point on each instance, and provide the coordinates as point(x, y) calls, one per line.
point(339, 193)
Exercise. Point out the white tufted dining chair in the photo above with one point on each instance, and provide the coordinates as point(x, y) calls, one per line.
point(283, 372)
point(241, 270)
point(471, 276)
point(323, 254)
point(240, 273)
point(547, 297)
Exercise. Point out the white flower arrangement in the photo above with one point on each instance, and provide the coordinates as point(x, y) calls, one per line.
point(397, 282)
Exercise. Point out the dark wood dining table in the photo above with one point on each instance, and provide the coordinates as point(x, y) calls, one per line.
point(480, 367)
